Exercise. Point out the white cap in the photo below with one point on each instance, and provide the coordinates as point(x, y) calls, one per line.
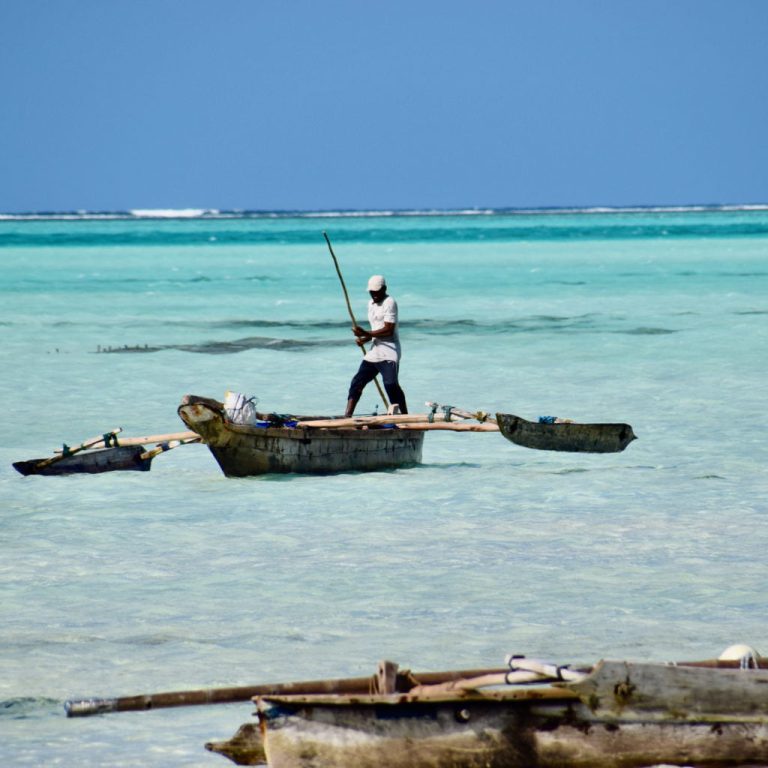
point(376, 283)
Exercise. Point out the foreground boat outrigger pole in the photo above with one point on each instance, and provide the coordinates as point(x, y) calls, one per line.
point(349, 309)
point(404, 680)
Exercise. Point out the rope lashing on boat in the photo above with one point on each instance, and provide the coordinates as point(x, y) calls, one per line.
point(507, 679)
point(561, 672)
point(446, 409)
point(110, 440)
point(66, 451)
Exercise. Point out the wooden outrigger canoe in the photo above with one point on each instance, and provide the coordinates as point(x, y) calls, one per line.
point(268, 443)
point(272, 446)
point(321, 445)
point(616, 714)
point(565, 435)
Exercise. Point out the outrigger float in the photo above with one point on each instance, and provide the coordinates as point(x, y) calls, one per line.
point(106, 453)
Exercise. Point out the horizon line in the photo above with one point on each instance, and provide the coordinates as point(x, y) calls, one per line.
point(217, 213)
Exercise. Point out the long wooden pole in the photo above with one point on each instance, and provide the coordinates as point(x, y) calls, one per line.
point(361, 685)
point(369, 421)
point(123, 441)
point(168, 446)
point(452, 426)
point(349, 309)
point(402, 420)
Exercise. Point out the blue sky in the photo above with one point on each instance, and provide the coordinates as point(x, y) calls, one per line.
point(299, 104)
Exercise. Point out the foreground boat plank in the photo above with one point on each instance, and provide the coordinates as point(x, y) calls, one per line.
point(565, 436)
point(621, 689)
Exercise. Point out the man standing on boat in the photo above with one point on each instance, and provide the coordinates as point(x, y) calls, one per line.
point(384, 355)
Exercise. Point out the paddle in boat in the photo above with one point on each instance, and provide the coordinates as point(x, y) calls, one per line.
point(533, 714)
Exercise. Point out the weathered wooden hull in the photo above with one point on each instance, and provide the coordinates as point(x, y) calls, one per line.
point(244, 451)
point(618, 715)
point(466, 733)
point(90, 462)
point(586, 438)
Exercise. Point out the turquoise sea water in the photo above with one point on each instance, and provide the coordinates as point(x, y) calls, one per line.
point(128, 583)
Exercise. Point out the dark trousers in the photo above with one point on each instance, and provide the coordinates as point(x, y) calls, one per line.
point(367, 373)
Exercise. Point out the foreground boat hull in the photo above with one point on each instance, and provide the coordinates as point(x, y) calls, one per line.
point(614, 715)
point(465, 733)
point(245, 451)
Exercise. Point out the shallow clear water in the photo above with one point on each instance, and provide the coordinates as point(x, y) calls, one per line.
point(127, 583)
